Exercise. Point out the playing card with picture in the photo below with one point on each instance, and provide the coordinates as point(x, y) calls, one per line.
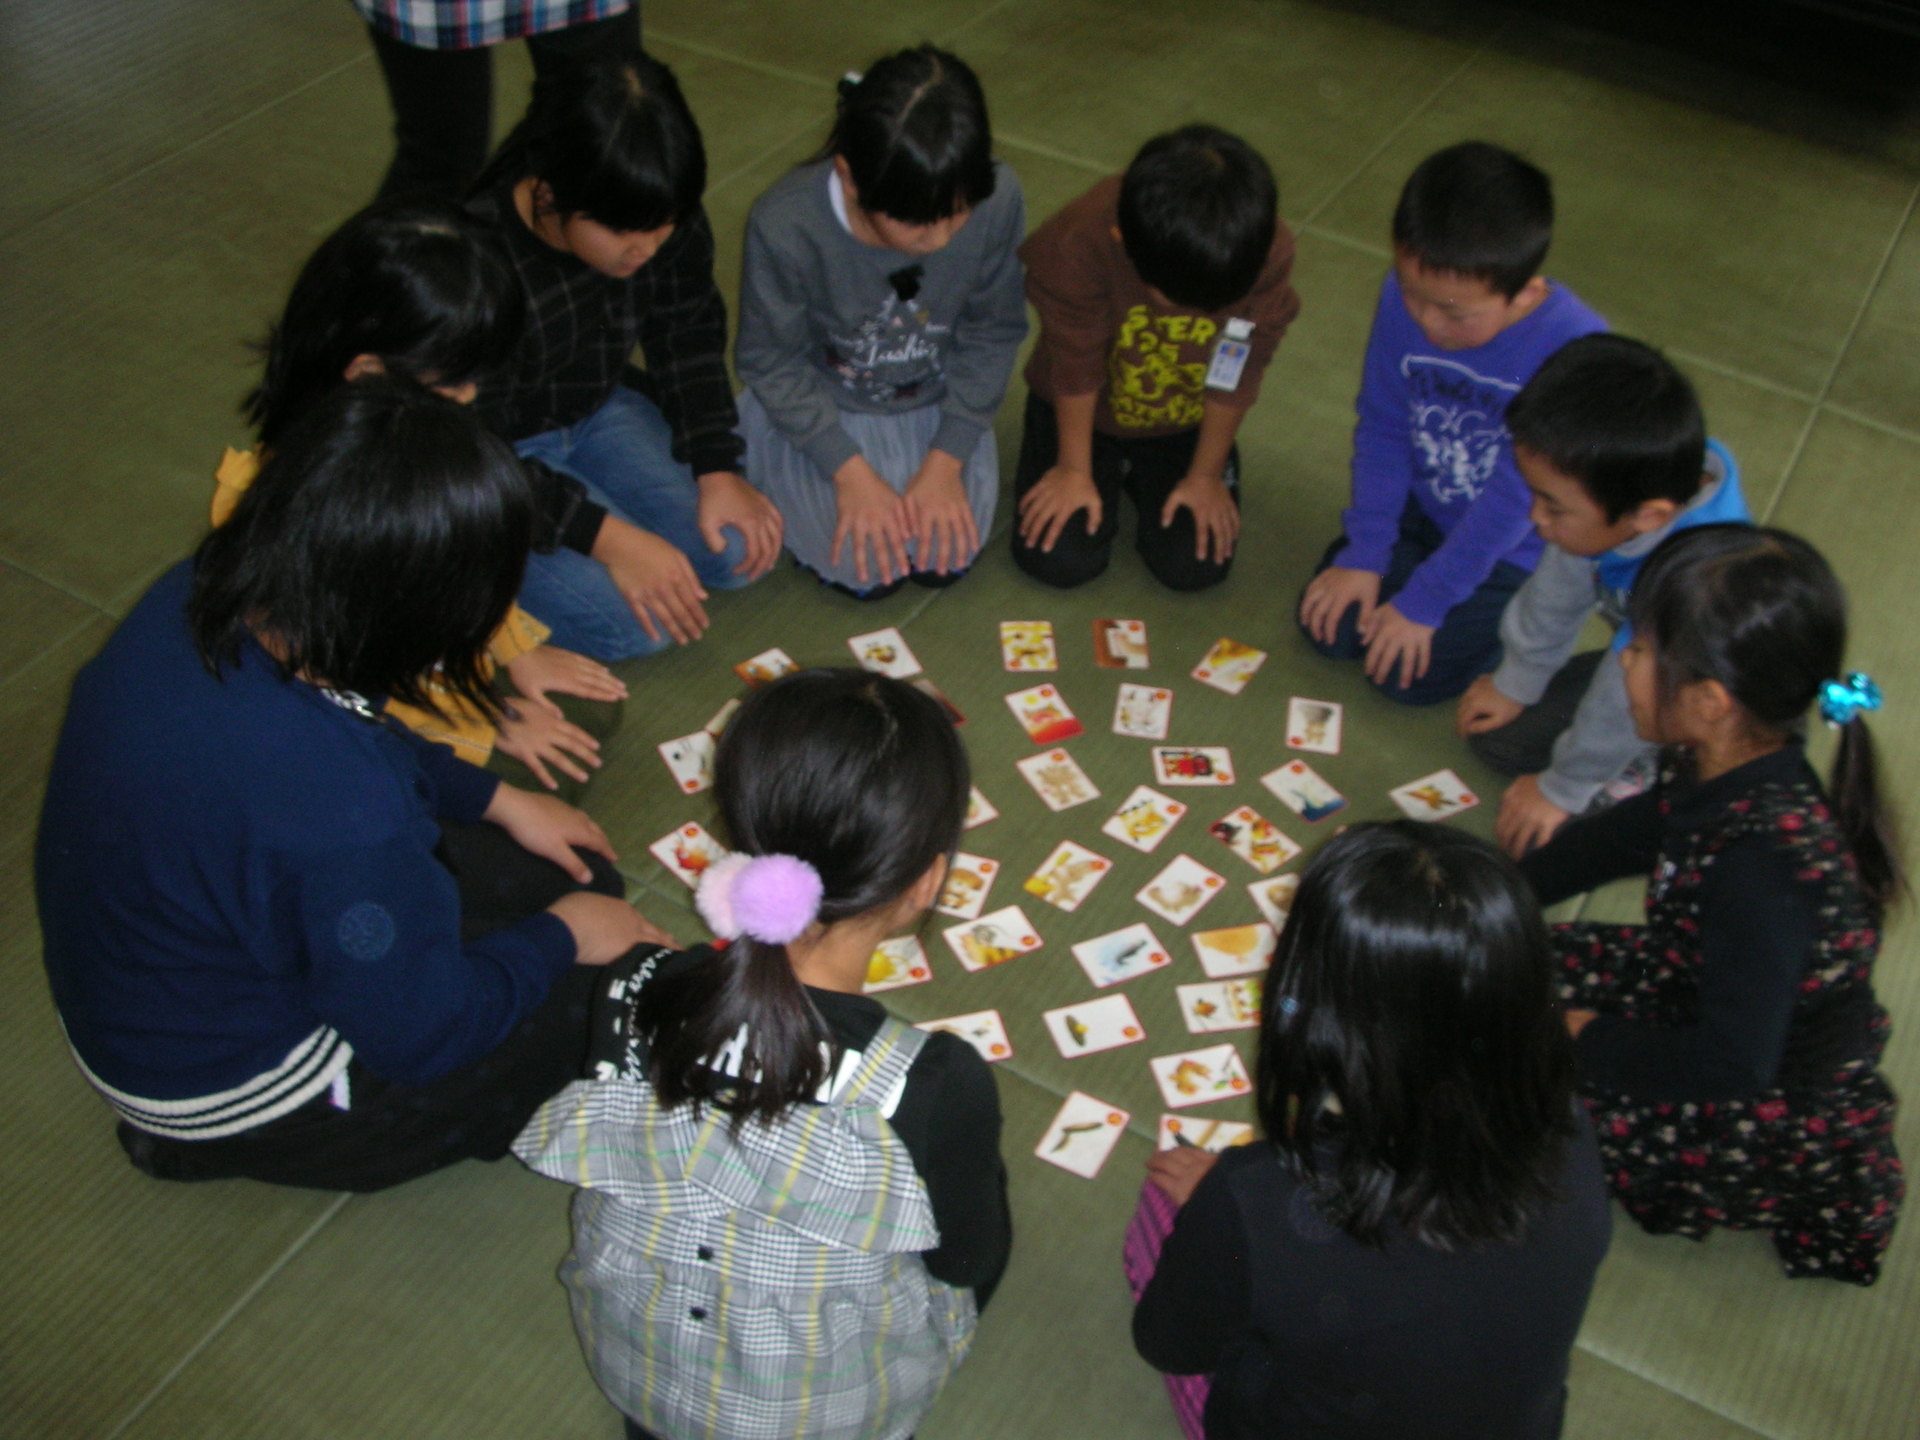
point(690, 761)
point(1082, 1135)
point(1314, 725)
point(1192, 765)
point(765, 668)
point(687, 852)
point(721, 718)
point(1068, 875)
point(1181, 891)
point(1435, 796)
point(1229, 665)
point(1044, 715)
point(898, 962)
point(1120, 644)
point(1212, 1136)
point(1028, 645)
point(1143, 711)
point(969, 878)
point(979, 809)
point(992, 939)
point(1144, 819)
point(1194, 1077)
point(1254, 838)
point(1275, 898)
point(1117, 957)
point(983, 1030)
point(1094, 1025)
point(1056, 777)
point(927, 687)
point(1236, 950)
point(1212, 1005)
point(1301, 790)
point(884, 652)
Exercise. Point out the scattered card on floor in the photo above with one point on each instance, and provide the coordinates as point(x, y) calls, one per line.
point(992, 939)
point(1028, 645)
point(969, 878)
point(1068, 875)
point(1435, 796)
point(1212, 1136)
point(1044, 715)
point(1082, 1135)
point(1302, 791)
point(884, 652)
point(765, 668)
point(979, 809)
point(1237, 950)
point(927, 687)
point(1192, 765)
point(899, 961)
point(721, 718)
point(1145, 819)
point(1143, 711)
point(1120, 644)
point(687, 852)
point(1229, 665)
point(1179, 892)
point(1121, 955)
point(690, 759)
point(1196, 1076)
point(1094, 1025)
point(1275, 898)
point(1214, 1005)
point(1254, 838)
point(1313, 725)
point(983, 1030)
point(1058, 780)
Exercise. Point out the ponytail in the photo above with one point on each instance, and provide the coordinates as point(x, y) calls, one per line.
point(1866, 821)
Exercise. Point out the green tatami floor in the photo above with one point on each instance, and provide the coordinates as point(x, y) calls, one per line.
point(165, 166)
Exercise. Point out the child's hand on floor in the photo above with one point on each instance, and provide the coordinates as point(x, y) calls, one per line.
point(728, 500)
point(1331, 593)
point(1393, 640)
point(535, 733)
point(1055, 499)
point(869, 512)
point(1216, 519)
point(548, 668)
point(1484, 708)
point(944, 535)
point(1527, 818)
point(656, 579)
point(1179, 1170)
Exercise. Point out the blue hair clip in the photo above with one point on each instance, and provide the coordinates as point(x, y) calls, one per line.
point(1841, 700)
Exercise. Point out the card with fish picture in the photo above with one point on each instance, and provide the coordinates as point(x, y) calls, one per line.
point(897, 963)
point(1144, 712)
point(1181, 891)
point(979, 809)
point(927, 687)
point(721, 718)
point(1212, 1136)
point(1229, 665)
point(1300, 788)
point(690, 761)
point(1120, 644)
point(1028, 645)
point(969, 878)
point(983, 1030)
point(1212, 1005)
point(765, 668)
point(687, 852)
point(884, 652)
point(1068, 875)
point(1435, 796)
point(1144, 819)
point(1254, 838)
point(1274, 898)
point(1236, 950)
point(1056, 777)
point(1044, 715)
point(1117, 957)
point(1314, 725)
point(992, 939)
point(1092, 1025)
point(1192, 765)
point(1082, 1135)
point(1194, 1077)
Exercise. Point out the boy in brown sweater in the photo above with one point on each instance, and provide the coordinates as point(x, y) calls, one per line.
point(1162, 294)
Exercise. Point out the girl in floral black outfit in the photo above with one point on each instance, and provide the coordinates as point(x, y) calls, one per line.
point(1728, 1047)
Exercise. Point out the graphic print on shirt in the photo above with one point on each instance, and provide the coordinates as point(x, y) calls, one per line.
point(1458, 423)
point(892, 356)
point(1157, 370)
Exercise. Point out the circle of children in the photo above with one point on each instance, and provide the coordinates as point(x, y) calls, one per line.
point(298, 939)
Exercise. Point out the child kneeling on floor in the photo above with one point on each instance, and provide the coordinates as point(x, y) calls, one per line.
point(792, 1205)
point(1610, 440)
point(1162, 294)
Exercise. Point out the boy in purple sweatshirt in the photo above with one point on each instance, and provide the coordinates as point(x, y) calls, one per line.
point(1437, 538)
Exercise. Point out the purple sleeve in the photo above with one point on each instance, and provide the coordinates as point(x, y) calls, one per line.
point(1382, 442)
point(1493, 528)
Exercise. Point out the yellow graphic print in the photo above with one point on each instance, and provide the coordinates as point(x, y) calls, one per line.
point(1148, 384)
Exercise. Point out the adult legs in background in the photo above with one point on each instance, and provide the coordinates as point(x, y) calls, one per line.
point(1524, 746)
point(1152, 1222)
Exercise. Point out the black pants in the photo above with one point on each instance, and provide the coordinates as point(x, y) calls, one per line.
point(1146, 469)
point(443, 99)
point(1524, 745)
point(392, 1133)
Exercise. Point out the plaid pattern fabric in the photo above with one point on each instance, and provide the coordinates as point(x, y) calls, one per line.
point(468, 24)
point(757, 1284)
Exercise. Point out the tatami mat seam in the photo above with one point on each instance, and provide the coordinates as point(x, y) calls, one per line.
point(1659, 1384)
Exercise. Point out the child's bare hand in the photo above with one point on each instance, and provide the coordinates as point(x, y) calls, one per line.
point(550, 828)
point(537, 735)
point(1578, 1020)
point(1055, 499)
point(1331, 593)
point(728, 500)
point(656, 579)
point(548, 668)
point(1393, 640)
point(1216, 519)
point(1179, 1170)
point(1484, 708)
point(869, 513)
point(1527, 818)
point(941, 518)
point(604, 928)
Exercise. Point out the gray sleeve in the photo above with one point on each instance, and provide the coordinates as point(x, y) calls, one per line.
point(1542, 624)
point(989, 329)
point(1598, 745)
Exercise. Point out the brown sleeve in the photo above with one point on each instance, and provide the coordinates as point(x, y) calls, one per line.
point(1070, 262)
point(1271, 306)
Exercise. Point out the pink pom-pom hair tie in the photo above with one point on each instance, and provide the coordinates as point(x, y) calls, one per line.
point(769, 898)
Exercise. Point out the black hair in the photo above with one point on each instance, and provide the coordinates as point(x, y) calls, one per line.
point(913, 130)
point(1760, 611)
point(864, 778)
point(1198, 211)
point(377, 551)
point(1615, 415)
point(612, 140)
point(418, 283)
point(1474, 209)
point(1413, 1061)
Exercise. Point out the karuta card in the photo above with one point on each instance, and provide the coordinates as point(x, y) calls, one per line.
point(983, 1030)
point(1120, 644)
point(1068, 875)
point(1058, 780)
point(1229, 665)
point(1254, 838)
point(1082, 1135)
point(1028, 645)
point(687, 852)
point(1192, 765)
point(1044, 715)
point(690, 759)
point(1314, 725)
point(1237, 950)
point(1094, 1025)
point(927, 687)
point(1435, 796)
point(1121, 955)
point(1212, 1136)
point(1275, 898)
point(1143, 711)
point(979, 809)
point(1196, 1076)
point(721, 718)
point(969, 878)
point(765, 668)
point(1180, 891)
point(992, 939)
point(898, 962)
point(1302, 791)
point(884, 652)
point(1145, 819)
point(1220, 1005)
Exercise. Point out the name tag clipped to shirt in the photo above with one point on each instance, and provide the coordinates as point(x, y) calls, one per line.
point(1230, 354)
